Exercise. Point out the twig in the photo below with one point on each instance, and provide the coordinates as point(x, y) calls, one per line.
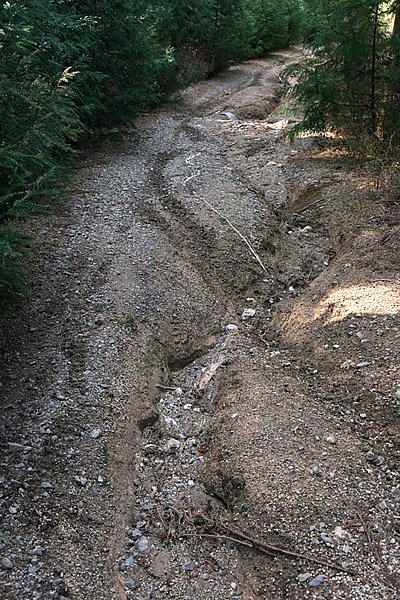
point(168, 389)
point(242, 237)
point(298, 212)
point(209, 373)
point(191, 177)
point(270, 549)
point(217, 537)
point(367, 532)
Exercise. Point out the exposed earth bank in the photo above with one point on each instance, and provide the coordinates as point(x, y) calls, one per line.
point(200, 399)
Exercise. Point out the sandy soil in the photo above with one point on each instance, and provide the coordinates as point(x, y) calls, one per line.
point(200, 399)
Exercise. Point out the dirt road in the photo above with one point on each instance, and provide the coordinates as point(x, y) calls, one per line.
point(211, 348)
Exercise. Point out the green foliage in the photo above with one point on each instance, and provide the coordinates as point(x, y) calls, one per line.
point(350, 85)
point(68, 68)
point(277, 23)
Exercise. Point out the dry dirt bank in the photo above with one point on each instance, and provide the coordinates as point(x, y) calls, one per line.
point(143, 410)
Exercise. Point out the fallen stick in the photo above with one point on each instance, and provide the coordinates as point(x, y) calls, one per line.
point(298, 212)
point(217, 537)
point(209, 374)
point(167, 388)
point(372, 546)
point(242, 237)
point(270, 549)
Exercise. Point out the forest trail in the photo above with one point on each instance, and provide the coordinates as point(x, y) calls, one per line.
point(211, 346)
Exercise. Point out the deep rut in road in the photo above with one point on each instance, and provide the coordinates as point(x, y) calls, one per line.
point(161, 388)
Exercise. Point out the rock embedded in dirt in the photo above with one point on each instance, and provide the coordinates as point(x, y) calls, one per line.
point(303, 577)
point(317, 581)
point(161, 565)
point(248, 313)
point(15, 447)
point(131, 584)
point(6, 563)
point(143, 544)
point(46, 485)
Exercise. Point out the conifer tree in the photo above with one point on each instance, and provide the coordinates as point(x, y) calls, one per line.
point(345, 87)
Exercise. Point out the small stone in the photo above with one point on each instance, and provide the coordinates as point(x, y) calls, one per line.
point(6, 563)
point(14, 447)
point(348, 364)
point(232, 327)
point(135, 534)
point(81, 480)
point(331, 439)
point(32, 570)
point(316, 471)
point(131, 584)
point(161, 564)
point(362, 365)
point(317, 581)
point(326, 539)
point(129, 561)
point(303, 577)
point(172, 444)
point(187, 407)
point(95, 433)
point(248, 313)
point(143, 544)
point(189, 566)
point(46, 485)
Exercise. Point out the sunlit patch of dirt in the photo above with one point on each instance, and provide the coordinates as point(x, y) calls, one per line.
point(372, 299)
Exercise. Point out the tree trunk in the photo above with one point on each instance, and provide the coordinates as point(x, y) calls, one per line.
point(373, 69)
point(396, 25)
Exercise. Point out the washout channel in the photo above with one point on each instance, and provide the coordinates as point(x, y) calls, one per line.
point(200, 398)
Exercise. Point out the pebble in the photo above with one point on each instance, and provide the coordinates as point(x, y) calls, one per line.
point(303, 577)
point(131, 584)
point(129, 561)
point(161, 564)
point(46, 485)
point(172, 444)
point(189, 566)
point(231, 327)
point(248, 313)
point(135, 534)
point(6, 563)
point(326, 539)
point(14, 447)
point(81, 480)
point(362, 365)
point(95, 433)
point(143, 544)
point(317, 581)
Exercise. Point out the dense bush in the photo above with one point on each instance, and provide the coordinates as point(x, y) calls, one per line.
point(67, 67)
